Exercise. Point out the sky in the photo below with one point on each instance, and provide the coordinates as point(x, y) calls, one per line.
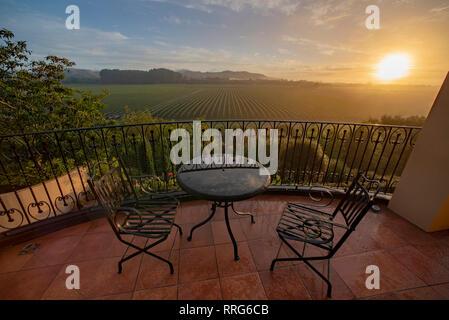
point(316, 40)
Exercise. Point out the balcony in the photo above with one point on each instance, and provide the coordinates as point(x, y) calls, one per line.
point(414, 264)
point(43, 175)
point(45, 200)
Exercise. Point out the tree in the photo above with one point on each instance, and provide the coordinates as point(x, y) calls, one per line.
point(32, 97)
point(416, 120)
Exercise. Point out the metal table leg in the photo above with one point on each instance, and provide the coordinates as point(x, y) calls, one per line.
point(214, 207)
point(226, 205)
point(228, 225)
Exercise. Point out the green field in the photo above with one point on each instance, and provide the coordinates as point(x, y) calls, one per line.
point(319, 103)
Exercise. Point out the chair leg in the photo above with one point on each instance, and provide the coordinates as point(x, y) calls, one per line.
point(162, 259)
point(329, 285)
point(273, 263)
point(276, 259)
point(124, 253)
point(143, 250)
point(149, 253)
point(306, 261)
point(179, 228)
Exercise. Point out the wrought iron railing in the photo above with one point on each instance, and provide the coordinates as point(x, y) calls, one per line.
point(44, 174)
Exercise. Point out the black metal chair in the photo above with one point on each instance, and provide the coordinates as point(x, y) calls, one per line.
point(132, 207)
point(304, 223)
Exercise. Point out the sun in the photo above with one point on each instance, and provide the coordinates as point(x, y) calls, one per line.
point(393, 66)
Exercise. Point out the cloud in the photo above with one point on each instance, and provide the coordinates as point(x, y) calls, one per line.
point(286, 7)
point(328, 52)
point(198, 7)
point(284, 51)
point(161, 43)
point(439, 13)
point(252, 43)
point(440, 9)
point(178, 21)
point(327, 11)
point(325, 48)
point(111, 35)
point(173, 20)
point(97, 49)
point(289, 38)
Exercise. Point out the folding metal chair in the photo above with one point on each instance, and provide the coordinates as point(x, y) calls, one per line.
point(305, 223)
point(133, 208)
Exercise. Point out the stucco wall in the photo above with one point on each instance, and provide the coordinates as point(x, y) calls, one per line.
point(424, 185)
point(51, 205)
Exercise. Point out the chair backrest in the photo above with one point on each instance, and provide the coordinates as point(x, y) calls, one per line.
point(147, 186)
point(354, 206)
point(145, 181)
point(112, 188)
point(357, 200)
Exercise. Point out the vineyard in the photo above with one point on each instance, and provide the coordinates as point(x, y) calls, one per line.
point(216, 102)
point(219, 103)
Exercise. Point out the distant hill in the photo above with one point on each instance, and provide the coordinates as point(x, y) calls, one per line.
point(159, 75)
point(226, 75)
point(140, 77)
point(82, 76)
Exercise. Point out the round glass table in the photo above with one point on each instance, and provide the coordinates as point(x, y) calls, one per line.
point(223, 184)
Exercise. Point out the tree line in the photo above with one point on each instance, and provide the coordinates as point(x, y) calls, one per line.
point(152, 76)
point(166, 76)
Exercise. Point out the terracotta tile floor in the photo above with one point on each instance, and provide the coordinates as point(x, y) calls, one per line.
point(413, 264)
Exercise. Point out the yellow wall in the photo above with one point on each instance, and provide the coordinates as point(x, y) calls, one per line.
point(441, 221)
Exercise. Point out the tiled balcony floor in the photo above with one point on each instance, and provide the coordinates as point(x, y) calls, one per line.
point(413, 264)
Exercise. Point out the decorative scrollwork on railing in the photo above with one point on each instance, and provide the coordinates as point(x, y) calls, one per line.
point(68, 203)
point(398, 136)
point(378, 135)
point(14, 219)
point(86, 195)
point(35, 210)
point(413, 138)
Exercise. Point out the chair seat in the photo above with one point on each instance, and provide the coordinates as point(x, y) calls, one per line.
point(155, 221)
point(302, 224)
